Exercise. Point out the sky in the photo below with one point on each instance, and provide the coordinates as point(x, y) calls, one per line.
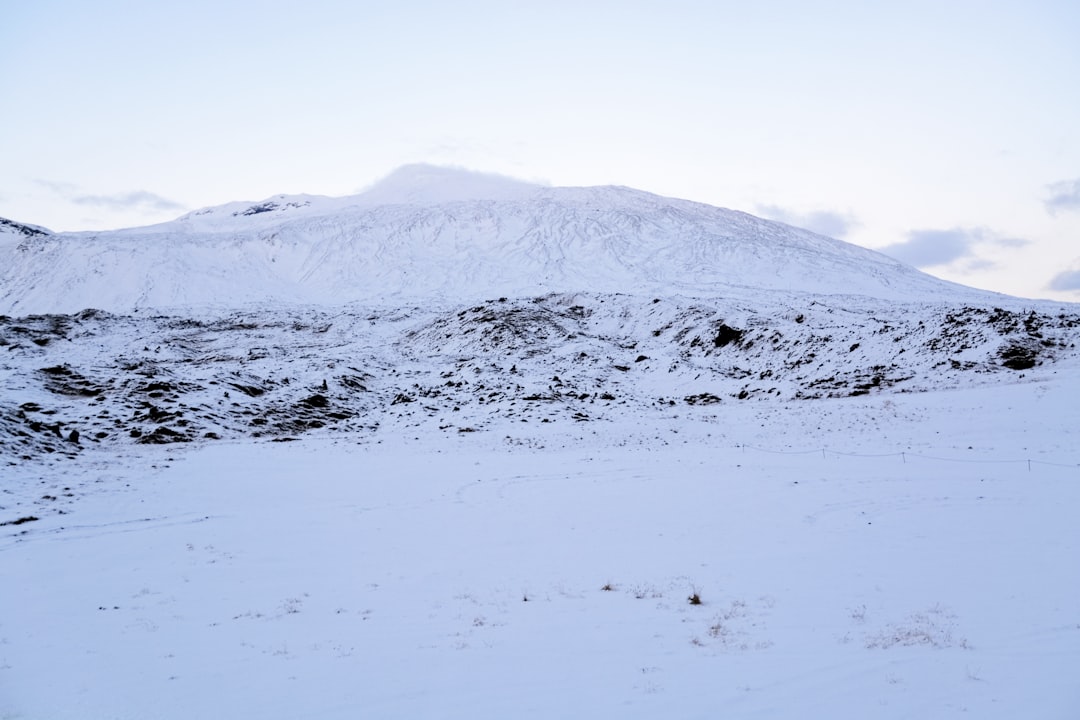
point(945, 133)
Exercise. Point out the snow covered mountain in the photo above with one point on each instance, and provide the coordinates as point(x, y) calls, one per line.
point(661, 456)
point(434, 234)
point(97, 380)
point(464, 301)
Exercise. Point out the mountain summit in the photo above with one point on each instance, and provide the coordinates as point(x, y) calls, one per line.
point(423, 184)
point(426, 233)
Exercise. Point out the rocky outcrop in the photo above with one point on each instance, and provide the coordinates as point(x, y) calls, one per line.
point(74, 382)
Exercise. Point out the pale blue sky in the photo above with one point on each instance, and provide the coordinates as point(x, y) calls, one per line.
point(945, 132)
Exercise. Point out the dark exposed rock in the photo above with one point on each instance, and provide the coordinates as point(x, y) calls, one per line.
point(249, 390)
point(161, 387)
point(1016, 356)
point(163, 435)
point(20, 521)
point(63, 380)
point(354, 382)
point(316, 401)
point(726, 335)
point(257, 209)
point(24, 230)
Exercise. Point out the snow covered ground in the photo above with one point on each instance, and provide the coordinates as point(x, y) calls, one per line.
point(530, 452)
point(911, 562)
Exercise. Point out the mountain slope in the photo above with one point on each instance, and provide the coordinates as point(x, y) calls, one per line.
point(94, 380)
point(437, 234)
point(12, 232)
point(769, 497)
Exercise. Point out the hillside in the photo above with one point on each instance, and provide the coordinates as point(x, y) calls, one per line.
point(98, 380)
point(431, 235)
point(469, 447)
point(457, 301)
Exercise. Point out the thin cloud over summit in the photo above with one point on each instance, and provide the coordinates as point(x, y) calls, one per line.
point(823, 222)
point(138, 200)
point(142, 201)
point(932, 248)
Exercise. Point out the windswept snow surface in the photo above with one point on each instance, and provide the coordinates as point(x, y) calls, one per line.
point(503, 509)
point(431, 234)
point(884, 557)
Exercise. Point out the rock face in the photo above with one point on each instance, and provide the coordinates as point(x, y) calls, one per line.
point(71, 383)
point(17, 230)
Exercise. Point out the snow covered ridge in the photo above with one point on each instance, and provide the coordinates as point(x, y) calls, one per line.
point(97, 380)
point(9, 229)
point(429, 233)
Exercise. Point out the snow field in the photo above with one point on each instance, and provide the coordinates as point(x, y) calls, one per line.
point(466, 576)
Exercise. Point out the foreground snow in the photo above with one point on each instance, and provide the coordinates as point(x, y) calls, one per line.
point(545, 571)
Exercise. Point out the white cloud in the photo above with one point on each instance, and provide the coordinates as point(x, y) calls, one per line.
point(1064, 197)
point(138, 200)
point(823, 222)
point(1066, 281)
point(930, 248)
